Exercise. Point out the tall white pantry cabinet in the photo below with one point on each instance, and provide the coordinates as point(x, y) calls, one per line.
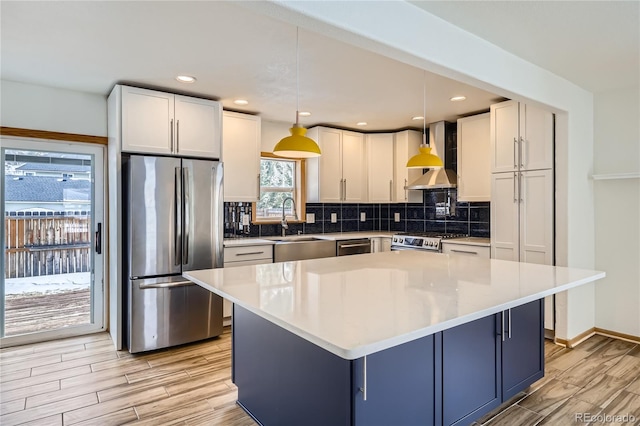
point(522, 186)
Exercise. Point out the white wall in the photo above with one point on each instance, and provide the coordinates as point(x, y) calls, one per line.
point(272, 132)
point(411, 35)
point(34, 107)
point(617, 213)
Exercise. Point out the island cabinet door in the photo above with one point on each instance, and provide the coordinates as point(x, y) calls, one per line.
point(398, 384)
point(470, 371)
point(522, 347)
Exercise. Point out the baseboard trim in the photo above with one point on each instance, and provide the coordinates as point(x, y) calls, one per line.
point(622, 336)
point(572, 343)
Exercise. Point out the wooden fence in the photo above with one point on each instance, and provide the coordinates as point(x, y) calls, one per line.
point(46, 245)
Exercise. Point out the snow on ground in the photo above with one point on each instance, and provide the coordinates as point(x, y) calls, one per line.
point(47, 284)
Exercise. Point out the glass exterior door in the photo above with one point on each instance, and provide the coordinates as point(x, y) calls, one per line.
point(52, 203)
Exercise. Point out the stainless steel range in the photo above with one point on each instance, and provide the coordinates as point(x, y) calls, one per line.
point(430, 241)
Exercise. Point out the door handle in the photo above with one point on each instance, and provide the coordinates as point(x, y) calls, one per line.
point(171, 136)
point(99, 239)
point(502, 321)
point(515, 153)
point(509, 323)
point(522, 152)
point(187, 214)
point(464, 251)
point(405, 190)
point(515, 182)
point(249, 253)
point(391, 190)
point(177, 136)
point(167, 285)
point(177, 222)
point(363, 389)
point(344, 182)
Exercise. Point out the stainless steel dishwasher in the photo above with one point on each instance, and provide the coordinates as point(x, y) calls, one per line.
point(356, 246)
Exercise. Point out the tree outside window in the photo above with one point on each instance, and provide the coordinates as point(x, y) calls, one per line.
point(279, 178)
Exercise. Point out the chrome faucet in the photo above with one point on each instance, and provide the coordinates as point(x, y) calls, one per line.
point(283, 222)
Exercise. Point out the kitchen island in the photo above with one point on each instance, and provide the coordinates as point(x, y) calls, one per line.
point(401, 337)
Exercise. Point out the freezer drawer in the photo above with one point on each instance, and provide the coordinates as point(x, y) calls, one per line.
point(171, 311)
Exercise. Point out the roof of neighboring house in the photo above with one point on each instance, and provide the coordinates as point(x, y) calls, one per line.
point(54, 167)
point(46, 189)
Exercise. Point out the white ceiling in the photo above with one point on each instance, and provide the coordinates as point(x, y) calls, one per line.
point(237, 53)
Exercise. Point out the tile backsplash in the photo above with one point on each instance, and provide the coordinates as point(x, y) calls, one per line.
point(439, 212)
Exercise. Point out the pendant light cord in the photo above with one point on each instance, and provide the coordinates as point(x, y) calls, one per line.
point(297, 75)
point(424, 108)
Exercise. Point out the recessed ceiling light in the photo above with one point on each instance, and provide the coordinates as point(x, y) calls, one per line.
point(458, 98)
point(304, 113)
point(241, 102)
point(361, 123)
point(417, 117)
point(185, 79)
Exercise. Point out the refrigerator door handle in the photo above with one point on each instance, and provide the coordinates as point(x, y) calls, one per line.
point(166, 285)
point(218, 212)
point(186, 214)
point(177, 225)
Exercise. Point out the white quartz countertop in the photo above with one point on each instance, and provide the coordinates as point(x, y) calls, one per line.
point(470, 241)
point(354, 306)
point(240, 242)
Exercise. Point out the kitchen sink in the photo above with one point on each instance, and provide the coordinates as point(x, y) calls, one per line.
point(302, 248)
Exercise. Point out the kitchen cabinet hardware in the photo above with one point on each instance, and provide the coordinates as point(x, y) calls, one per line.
point(464, 251)
point(99, 239)
point(177, 135)
point(186, 214)
point(249, 253)
point(177, 218)
point(509, 325)
point(363, 389)
point(390, 190)
point(171, 136)
point(406, 191)
point(515, 195)
point(167, 285)
point(521, 152)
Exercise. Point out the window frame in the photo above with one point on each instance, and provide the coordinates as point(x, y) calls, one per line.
point(300, 193)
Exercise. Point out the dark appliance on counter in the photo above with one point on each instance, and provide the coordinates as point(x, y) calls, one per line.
point(173, 210)
point(427, 241)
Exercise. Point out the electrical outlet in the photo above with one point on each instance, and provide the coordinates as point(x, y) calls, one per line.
point(311, 218)
point(334, 217)
point(396, 217)
point(245, 219)
point(363, 217)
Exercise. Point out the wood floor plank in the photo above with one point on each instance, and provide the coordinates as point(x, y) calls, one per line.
point(68, 343)
point(228, 416)
point(31, 361)
point(583, 372)
point(62, 394)
point(635, 351)
point(77, 362)
point(634, 386)
point(626, 403)
point(14, 375)
point(189, 383)
point(567, 358)
point(595, 342)
point(11, 406)
point(51, 409)
point(55, 420)
point(516, 415)
point(224, 400)
point(120, 417)
point(107, 407)
point(29, 391)
point(627, 366)
point(121, 365)
point(567, 412)
point(169, 358)
point(179, 415)
point(127, 388)
point(611, 353)
point(43, 378)
point(89, 352)
point(160, 406)
point(157, 371)
point(90, 377)
point(602, 389)
point(549, 397)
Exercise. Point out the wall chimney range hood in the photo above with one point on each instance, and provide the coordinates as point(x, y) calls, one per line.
point(436, 178)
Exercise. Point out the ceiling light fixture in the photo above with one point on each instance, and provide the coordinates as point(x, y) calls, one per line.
point(297, 145)
point(361, 123)
point(241, 102)
point(417, 117)
point(425, 159)
point(458, 98)
point(304, 113)
point(185, 79)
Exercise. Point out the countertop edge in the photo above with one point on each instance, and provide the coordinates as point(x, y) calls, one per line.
point(360, 351)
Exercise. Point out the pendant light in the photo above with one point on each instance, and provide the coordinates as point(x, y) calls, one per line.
point(297, 145)
point(425, 159)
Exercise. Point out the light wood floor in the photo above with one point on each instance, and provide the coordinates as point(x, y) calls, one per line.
point(85, 381)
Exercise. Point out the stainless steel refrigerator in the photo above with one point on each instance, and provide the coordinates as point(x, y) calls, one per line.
point(173, 216)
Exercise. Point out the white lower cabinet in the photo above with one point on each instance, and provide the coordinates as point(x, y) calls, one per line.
point(243, 256)
point(379, 244)
point(466, 249)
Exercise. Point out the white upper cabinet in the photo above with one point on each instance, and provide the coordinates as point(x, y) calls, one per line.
point(241, 156)
point(521, 137)
point(197, 130)
point(380, 167)
point(406, 145)
point(474, 158)
point(338, 175)
point(147, 120)
point(155, 122)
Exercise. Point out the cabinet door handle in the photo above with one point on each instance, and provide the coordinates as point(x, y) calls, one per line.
point(177, 136)
point(171, 136)
point(520, 188)
point(363, 389)
point(515, 153)
point(344, 182)
point(502, 321)
point(258, 197)
point(464, 251)
point(249, 253)
point(406, 195)
point(391, 190)
point(341, 187)
point(509, 323)
point(515, 182)
point(522, 152)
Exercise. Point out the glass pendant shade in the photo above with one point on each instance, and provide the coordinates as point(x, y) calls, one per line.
point(297, 145)
point(424, 160)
